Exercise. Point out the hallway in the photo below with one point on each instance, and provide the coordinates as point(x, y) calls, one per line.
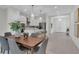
point(60, 43)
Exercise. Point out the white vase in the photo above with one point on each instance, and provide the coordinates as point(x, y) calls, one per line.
point(17, 34)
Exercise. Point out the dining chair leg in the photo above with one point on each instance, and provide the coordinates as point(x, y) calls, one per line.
point(1, 50)
point(5, 51)
point(32, 50)
point(8, 51)
point(27, 51)
point(45, 51)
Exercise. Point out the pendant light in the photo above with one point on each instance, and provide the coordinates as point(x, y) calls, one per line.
point(40, 16)
point(32, 15)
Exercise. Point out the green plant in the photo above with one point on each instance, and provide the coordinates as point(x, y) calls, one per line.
point(15, 26)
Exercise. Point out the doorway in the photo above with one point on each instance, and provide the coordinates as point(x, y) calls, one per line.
point(59, 24)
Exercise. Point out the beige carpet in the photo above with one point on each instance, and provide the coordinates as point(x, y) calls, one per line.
point(60, 43)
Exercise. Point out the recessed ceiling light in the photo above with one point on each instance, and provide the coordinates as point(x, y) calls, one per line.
point(32, 15)
point(40, 18)
point(25, 10)
point(55, 7)
point(59, 19)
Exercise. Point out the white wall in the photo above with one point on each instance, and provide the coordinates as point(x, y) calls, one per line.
point(60, 26)
point(74, 17)
point(48, 26)
point(12, 15)
point(3, 21)
point(73, 27)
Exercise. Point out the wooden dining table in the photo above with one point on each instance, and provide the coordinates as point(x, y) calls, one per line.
point(30, 42)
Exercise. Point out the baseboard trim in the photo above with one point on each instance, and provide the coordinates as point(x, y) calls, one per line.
point(76, 41)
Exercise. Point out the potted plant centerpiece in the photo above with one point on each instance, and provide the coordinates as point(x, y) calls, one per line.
point(16, 27)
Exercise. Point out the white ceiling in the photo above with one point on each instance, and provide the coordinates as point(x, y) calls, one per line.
point(50, 10)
